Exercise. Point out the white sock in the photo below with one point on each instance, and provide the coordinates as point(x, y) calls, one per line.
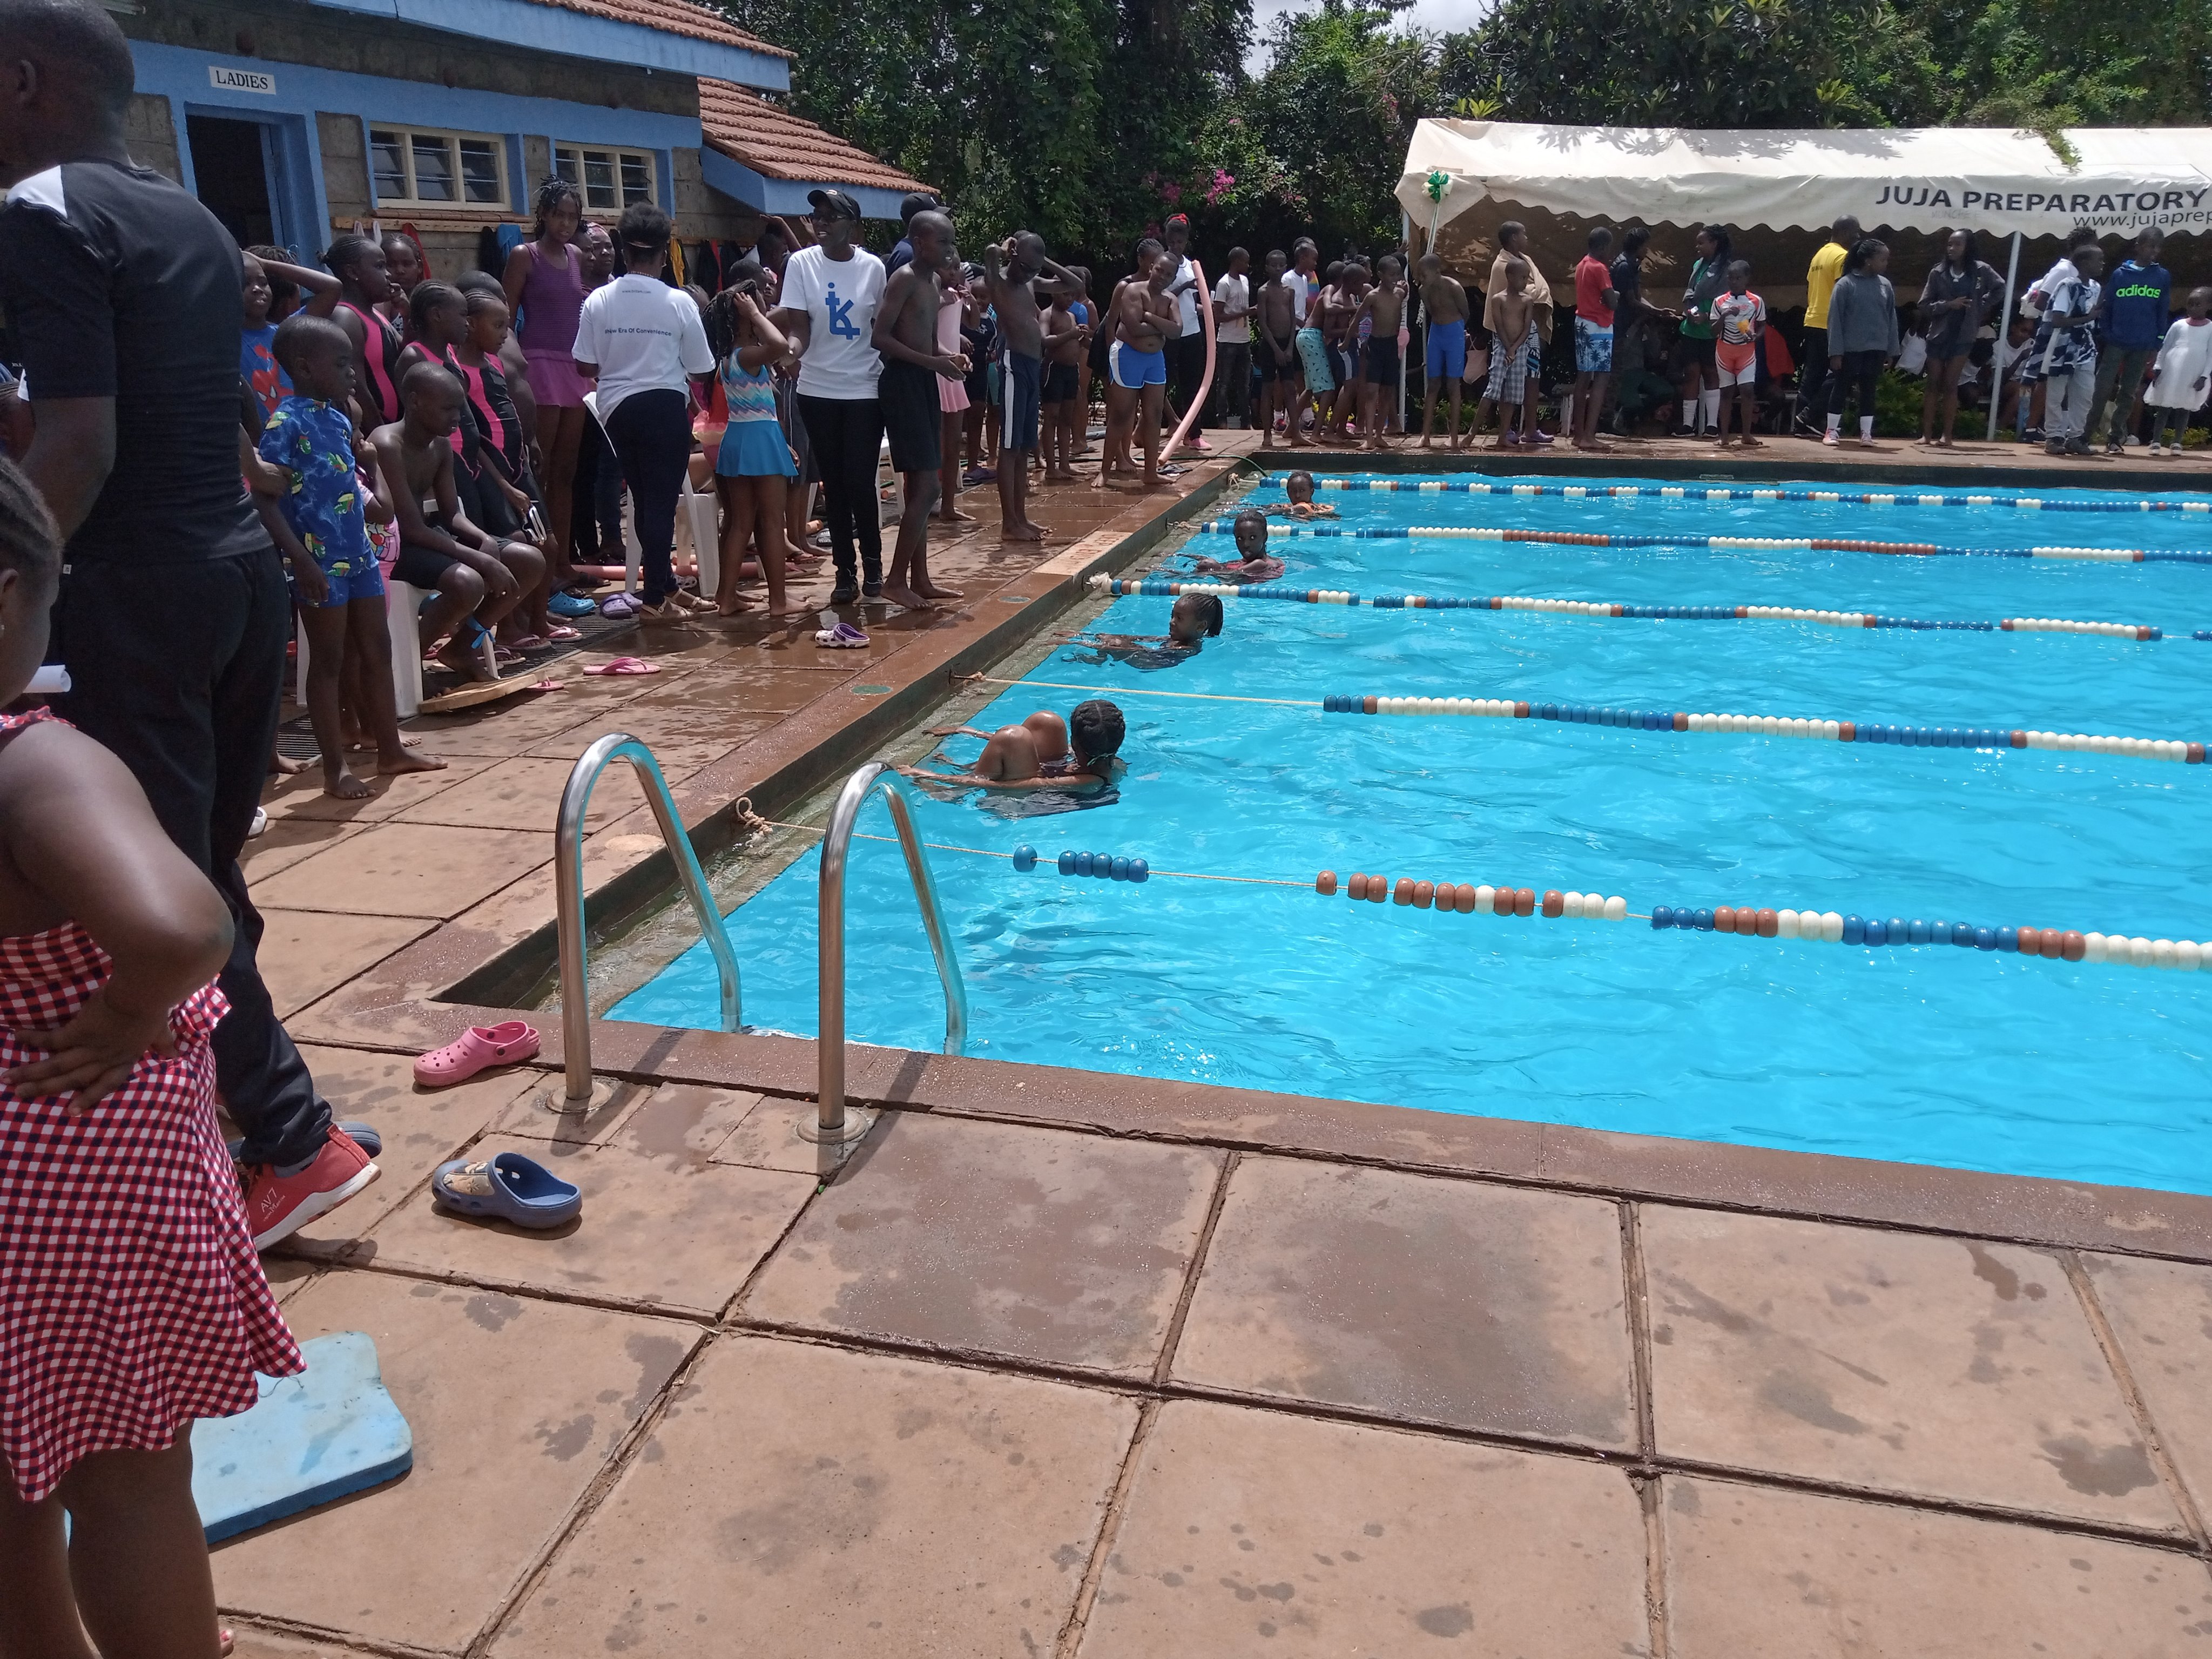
point(1866, 428)
point(1689, 412)
point(1712, 401)
point(1835, 424)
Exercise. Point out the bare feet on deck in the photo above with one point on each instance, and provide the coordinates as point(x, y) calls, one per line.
point(393, 766)
point(938, 591)
point(906, 597)
point(345, 786)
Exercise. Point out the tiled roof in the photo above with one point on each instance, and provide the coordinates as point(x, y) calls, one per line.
point(674, 17)
point(774, 142)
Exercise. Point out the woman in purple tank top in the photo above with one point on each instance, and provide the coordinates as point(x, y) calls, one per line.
point(544, 285)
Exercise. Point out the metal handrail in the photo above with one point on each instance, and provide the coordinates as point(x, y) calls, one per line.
point(568, 884)
point(831, 1125)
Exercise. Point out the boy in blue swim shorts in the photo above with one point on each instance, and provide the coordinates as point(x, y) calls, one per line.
point(1138, 319)
point(340, 586)
point(1444, 303)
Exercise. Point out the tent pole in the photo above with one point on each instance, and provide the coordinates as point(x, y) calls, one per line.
point(2004, 328)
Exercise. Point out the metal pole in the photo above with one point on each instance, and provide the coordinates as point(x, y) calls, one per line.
point(568, 902)
point(836, 843)
point(2004, 328)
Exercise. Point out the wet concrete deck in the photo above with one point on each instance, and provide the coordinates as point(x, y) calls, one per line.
point(1064, 1364)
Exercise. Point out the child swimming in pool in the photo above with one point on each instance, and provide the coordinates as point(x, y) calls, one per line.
point(1043, 753)
point(1299, 488)
point(1196, 619)
point(1252, 563)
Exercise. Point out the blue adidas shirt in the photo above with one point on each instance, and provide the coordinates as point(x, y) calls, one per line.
point(2140, 296)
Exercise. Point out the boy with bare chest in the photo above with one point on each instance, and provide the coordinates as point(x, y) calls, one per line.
point(914, 419)
point(1012, 273)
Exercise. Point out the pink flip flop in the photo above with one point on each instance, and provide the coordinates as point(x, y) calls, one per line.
point(475, 1049)
point(624, 666)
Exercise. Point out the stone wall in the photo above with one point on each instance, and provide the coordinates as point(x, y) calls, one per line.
point(701, 211)
point(152, 136)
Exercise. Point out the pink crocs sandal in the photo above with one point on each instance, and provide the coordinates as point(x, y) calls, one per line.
point(476, 1049)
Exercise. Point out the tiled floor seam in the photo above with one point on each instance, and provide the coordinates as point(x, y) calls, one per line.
point(588, 1502)
point(2122, 1370)
point(1163, 1367)
point(730, 1306)
point(1645, 1480)
point(262, 1624)
point(1110, 1527)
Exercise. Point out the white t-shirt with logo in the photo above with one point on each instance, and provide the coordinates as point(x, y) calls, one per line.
point(1186, 278)
point(644, 336)
point(1235, 292)
point(840, 297)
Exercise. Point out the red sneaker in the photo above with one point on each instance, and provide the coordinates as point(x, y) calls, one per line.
point(276, 1206)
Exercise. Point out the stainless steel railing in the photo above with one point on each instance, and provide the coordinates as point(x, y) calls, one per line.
point(568, 883)
point(830, 1123)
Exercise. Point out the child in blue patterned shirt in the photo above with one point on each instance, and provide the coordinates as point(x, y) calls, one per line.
point(340, 586)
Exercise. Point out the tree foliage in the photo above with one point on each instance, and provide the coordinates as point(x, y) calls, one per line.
point(1090, 121)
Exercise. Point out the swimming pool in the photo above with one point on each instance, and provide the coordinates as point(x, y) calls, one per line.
point(1971, 1058)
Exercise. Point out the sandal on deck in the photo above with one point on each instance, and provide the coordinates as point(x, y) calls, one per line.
point(509, 1187)
point(476, 1049)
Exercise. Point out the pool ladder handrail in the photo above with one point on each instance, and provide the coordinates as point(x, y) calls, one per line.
point(569, 886)
point(831, 1126)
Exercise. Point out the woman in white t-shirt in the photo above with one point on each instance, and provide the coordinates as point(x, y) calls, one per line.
point(827, 310)
point(642, 340)
point(1232, 340)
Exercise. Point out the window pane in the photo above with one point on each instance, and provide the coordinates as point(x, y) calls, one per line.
point(636, 178)
point(479, 170)
point(433, 169)
point(388, 162)
point(599, 180)
point(566, 166)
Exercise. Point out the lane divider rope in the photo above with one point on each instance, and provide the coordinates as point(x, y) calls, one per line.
point(1653, 719)
point(1815, 543)
point(1476, 486)
point(1157, 587)
point(1744, 920)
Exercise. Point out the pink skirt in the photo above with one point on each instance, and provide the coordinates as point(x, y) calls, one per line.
point(554, 380)
point(951, 395)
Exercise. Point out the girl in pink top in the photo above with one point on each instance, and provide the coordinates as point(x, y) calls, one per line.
point(952, 396)
point(545, 284)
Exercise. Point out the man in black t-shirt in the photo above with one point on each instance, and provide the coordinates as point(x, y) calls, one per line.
point(1631, 309)
point(171, 620)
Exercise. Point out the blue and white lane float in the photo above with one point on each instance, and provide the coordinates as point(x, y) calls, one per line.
point(1815, 543)
point(1717, 492)
point(1153, 586)
point(1748, 921)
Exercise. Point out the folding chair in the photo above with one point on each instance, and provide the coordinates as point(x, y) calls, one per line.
point(403, 609)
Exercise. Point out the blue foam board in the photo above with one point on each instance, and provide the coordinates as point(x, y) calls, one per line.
point(310, 1439)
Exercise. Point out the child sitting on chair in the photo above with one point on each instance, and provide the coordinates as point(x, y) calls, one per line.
point(340, 586)
point(1251, 563)
point(479, 578)
point(1043, 753)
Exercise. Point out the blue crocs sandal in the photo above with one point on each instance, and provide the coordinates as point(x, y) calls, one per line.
point(509, 1187)
point(569, 605)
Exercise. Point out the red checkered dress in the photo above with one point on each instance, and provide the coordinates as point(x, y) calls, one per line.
point(131, 1300)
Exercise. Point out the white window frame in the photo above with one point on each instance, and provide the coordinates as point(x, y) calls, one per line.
point(408, 135)
point(618, 153)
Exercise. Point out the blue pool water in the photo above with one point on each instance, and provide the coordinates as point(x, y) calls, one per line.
point(1930, 1054)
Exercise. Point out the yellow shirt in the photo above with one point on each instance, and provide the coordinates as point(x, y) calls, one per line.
point(1820, 281)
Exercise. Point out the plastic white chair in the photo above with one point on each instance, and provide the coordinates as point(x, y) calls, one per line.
point(403, 607)
point(698, 521)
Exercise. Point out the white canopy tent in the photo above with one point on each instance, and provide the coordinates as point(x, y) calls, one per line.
point(1781, 190)
point(1982, 179)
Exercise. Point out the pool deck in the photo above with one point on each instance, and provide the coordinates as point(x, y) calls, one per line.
point(1060, 1363)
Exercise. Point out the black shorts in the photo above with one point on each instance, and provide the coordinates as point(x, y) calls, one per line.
point(1271, 369)
point(914, 416)
point(1689, 349)
point(1383, 361)
point(1062, 383)
point(420, 567)
point(1023, 390)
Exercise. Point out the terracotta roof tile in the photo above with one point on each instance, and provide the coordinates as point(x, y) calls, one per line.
point(674, 17)
point(773, 141)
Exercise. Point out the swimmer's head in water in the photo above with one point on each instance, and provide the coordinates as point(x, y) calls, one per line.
point(1049, 733)
point(1251, 532)
point(1196, 617)
point(1300, 487)
point(1096, 730)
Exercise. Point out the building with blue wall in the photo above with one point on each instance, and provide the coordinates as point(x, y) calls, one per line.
point(296, 120)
